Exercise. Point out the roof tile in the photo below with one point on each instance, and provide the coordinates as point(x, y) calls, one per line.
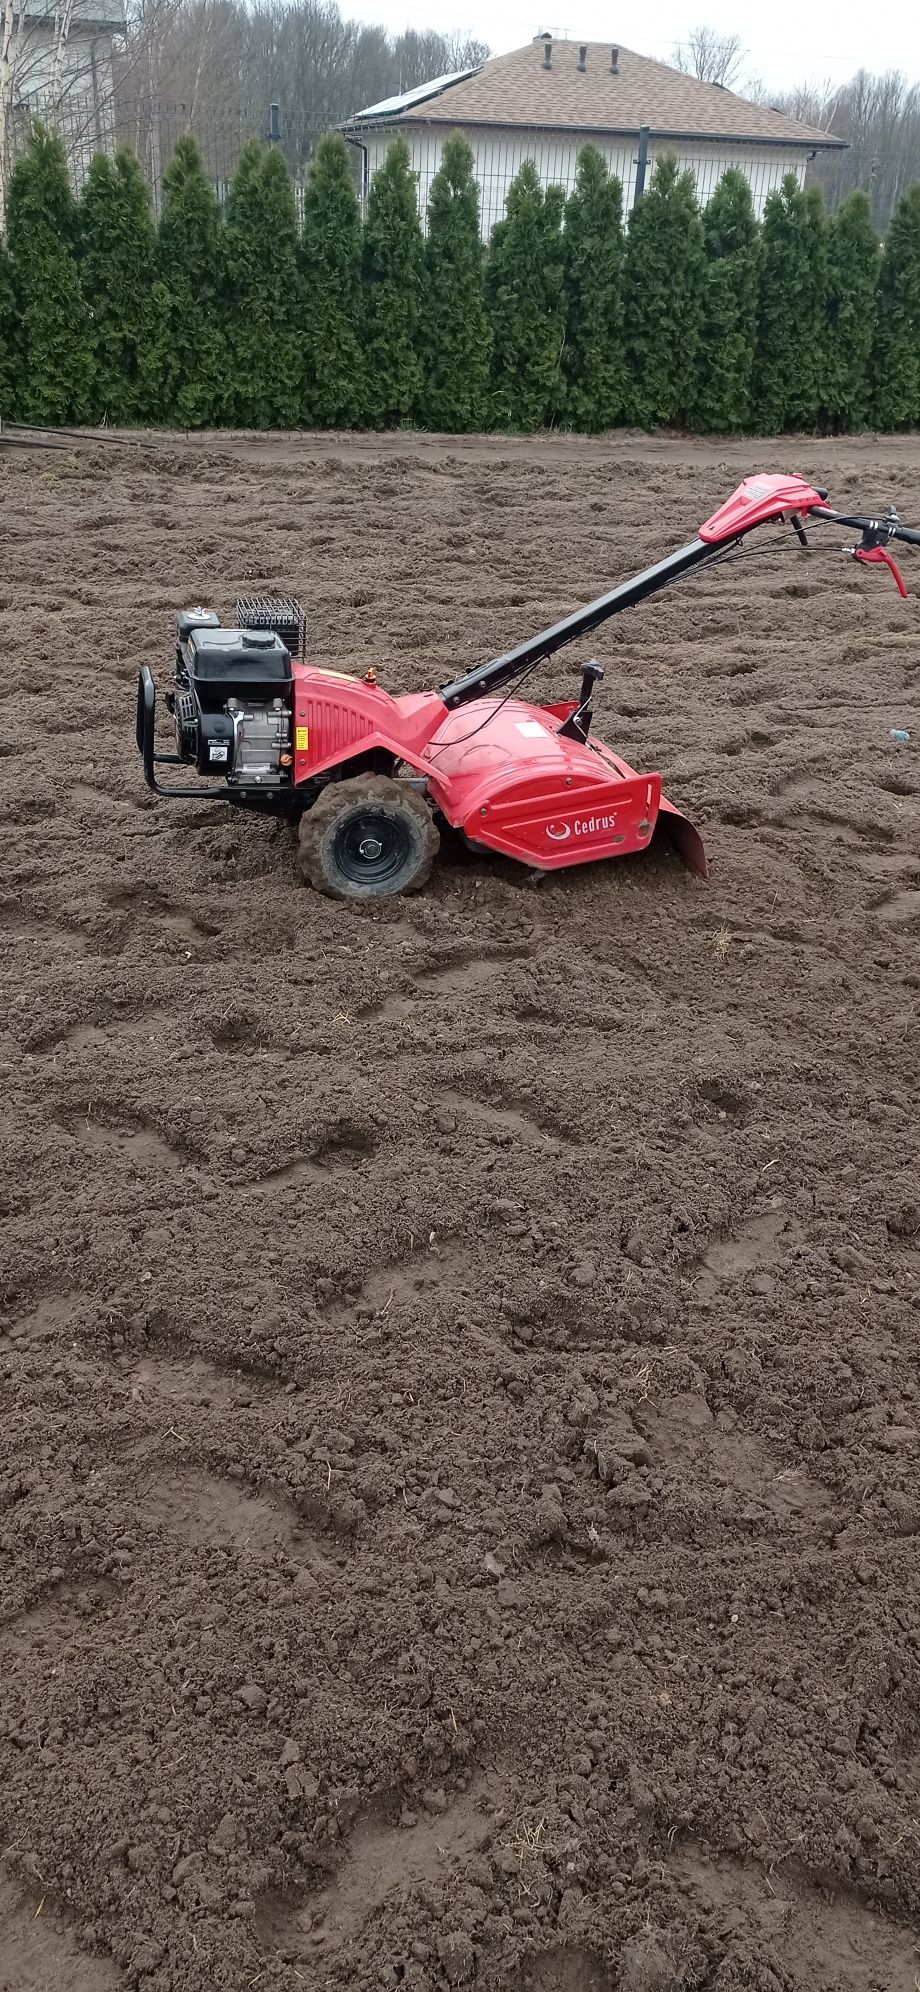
point(518, 89)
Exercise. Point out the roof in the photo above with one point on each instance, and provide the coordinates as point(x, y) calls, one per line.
point(416, 96)
point(518, 89)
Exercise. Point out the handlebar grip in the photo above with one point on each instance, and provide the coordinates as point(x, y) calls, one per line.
point(861, 523)
point(854, 519)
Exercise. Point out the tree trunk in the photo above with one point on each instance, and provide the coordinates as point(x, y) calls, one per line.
point(11, 27)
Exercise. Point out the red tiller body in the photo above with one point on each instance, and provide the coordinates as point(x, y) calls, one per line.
point(498, 770)
point(507, 777)
point(530, 781)
point(337, 717)
point(510, 775)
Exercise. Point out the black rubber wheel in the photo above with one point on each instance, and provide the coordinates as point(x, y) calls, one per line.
point(367, 838)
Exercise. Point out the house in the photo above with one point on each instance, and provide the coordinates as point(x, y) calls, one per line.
point(63, 70)
point(545, 101)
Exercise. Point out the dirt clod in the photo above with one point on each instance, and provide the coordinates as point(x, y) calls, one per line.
point(252, 1696)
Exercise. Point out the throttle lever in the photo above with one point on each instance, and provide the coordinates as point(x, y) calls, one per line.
point(879, 556)
point(578, 724)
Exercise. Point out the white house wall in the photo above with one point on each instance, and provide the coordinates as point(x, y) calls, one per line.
point(499, 155)
point(82, 109)
point(86, 62)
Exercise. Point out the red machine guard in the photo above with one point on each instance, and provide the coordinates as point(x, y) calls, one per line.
point(684, 836)
point(756, 500)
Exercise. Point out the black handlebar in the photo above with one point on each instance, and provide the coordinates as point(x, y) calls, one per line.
point(887, 528)
point(699, 553)
point(511, 664)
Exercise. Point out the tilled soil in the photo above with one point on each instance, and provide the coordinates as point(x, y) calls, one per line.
point(459, 1497)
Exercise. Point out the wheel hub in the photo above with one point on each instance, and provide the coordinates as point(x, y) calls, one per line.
point(371, 846)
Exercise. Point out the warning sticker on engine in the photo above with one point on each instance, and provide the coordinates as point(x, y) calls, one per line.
point(531, 728)
point(301, 738)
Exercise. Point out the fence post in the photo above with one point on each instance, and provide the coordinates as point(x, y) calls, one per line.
point(641, 164)
point(274, 124)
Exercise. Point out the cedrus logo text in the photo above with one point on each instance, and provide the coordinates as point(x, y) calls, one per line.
point(582, 826)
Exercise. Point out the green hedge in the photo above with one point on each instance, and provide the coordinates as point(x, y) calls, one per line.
point(680, 317)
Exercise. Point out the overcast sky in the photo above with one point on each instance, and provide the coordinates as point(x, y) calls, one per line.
point(786, 43)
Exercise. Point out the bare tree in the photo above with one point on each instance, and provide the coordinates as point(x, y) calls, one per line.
point(418, 56)
point(223, 60)
point(464, 51)
point(52, 68)
point(41, 72)
point(211, 67)
point(11, 32)
point(63, 21)
point(879, 117)
point(712, 57)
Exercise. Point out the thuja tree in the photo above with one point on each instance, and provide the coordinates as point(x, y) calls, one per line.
point(790, 350)
point(594, 359)
point(453, 328)
point(895, 363)
point(809, 386)
point(9, 342)
point(118, 242)
point(55, 355)
point(393, 278)
point(191, 349)
point(261, 252)
point(525, 293)
point(662, 285)
point(728, 314)
point(852, 275)
point(332, 301)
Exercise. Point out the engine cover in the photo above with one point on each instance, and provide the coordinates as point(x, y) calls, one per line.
point(261, 736)
point(235, 663)
point(233, 703)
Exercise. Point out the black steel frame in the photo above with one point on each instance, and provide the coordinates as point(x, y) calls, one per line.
point(487, 677)
point(513, 663)
point(146, 722)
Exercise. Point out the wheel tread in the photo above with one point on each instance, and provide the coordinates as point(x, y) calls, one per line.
point(334, 801)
